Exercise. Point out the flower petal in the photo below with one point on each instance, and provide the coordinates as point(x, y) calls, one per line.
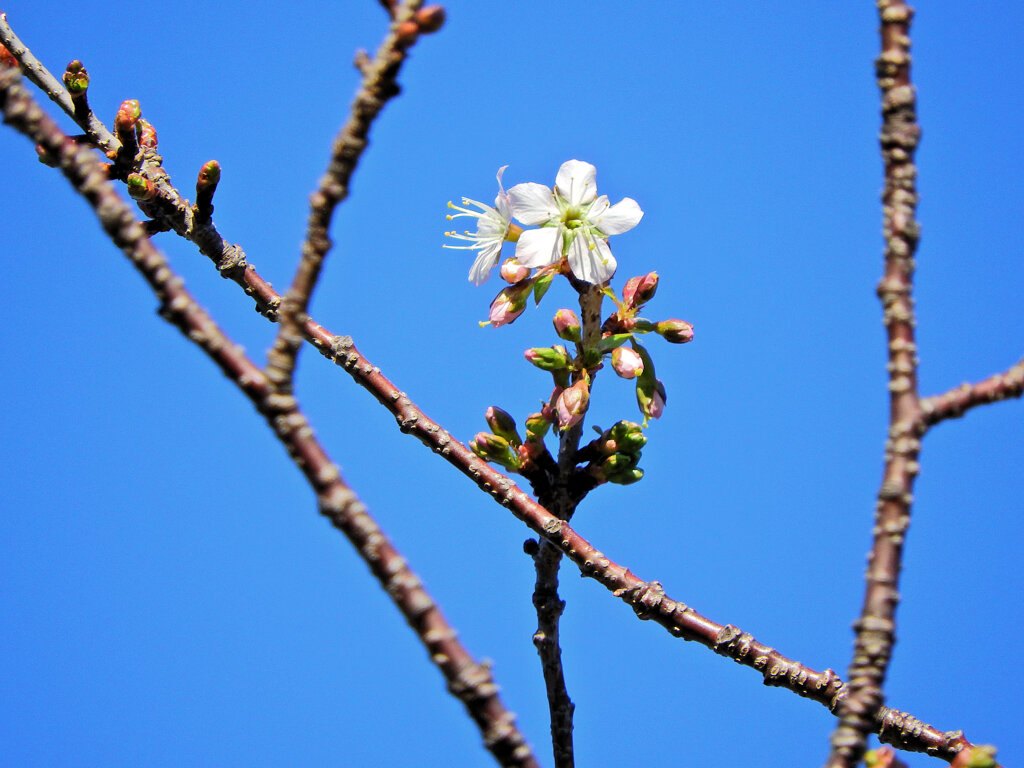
point(501, 202)
point(576, 182)
point(621, 217)
point(539, 247)
point(484, 263)
point(591, 262)
point(532, 203)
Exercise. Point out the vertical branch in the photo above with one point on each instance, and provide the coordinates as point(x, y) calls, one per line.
point(377, 88)
point(547, 557)
point(875, 629)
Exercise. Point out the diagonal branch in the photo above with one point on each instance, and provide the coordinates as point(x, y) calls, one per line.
point(648, 599)
point(378, 86)
point(954, 403)
point(34, 70)
point(468, 680)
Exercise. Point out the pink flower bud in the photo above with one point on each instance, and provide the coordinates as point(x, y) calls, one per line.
point(513, 272)
point(567, 325)
point(147, 134)
point(127, 115)
point(639, 290)
point(494, 448)
point(547, 410)
point(572, 404)
point(627, 363)
point(502, 424)
point(508, 305)
point(430, 19)
point(675, 331)
point(658, 400)
point(548, 358)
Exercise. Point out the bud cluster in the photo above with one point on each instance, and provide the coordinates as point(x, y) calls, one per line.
point(571, 228)
point(618, 453)
point(503, 444)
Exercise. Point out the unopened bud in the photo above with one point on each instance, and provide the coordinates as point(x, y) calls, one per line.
point(127, 115)
point(567, 325)
point(513, 272)
point(675, 331)
point(983, 756)
point(627, 363)
point(628, 436)
point(617, 462)
point(76, 79)
point(209, 176)
point(883, 757)
point(503, 425)
point(572, 404)
point(147, 134)
point(430, 19)
point(549, 358)
point(43, 156)
point(125, 123)
point(650, 396)
point(406, 34)
point(656, 406)
point(627, 476)
point(140, 188)
point(650, 392)
point(619, 469)
point(493, 448)
point(528, 452)
point(639, 290)
point(537, 425)
point(508, 305)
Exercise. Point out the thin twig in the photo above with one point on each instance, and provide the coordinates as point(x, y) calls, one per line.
point(54, 88)
point(875, 629)
point(378, 87)
point(468, 680)
point(954, 403)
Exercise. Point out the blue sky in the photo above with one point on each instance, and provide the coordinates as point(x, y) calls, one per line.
point(168, 594)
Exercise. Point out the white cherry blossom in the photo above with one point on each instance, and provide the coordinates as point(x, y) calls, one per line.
point(574, 222)
point(491, 230)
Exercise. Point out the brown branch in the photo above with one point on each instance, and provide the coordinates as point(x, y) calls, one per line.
point(875, 629)
point(549, 607)
point(893, 726)
point(168, 209)
point(647, 599)
point(378, 87)
point(468, 680)
point(954, 403)
point(546, 557)
point(826, 688)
